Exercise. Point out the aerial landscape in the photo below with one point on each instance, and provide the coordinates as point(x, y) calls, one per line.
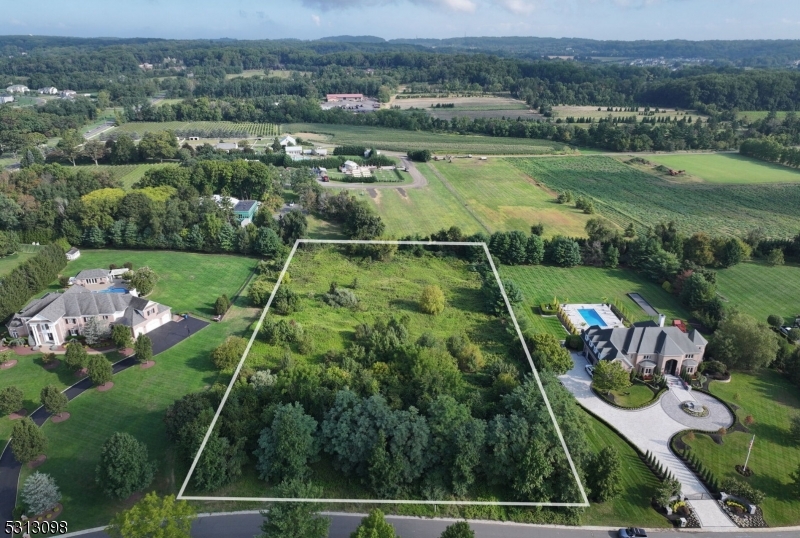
point(366, 268)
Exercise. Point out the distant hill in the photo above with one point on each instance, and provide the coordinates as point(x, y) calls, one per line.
point(354, 39)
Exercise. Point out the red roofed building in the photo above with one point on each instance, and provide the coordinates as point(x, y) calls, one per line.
point(334, 97)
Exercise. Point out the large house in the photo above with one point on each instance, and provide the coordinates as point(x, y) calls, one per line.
point(6, 99)
point(245, 211)
point(17, 88)
point(288, 141)
point(51, 320)
point(648, 349)
point(49, 90)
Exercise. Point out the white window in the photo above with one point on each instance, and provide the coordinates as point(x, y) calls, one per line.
point(73, 332)
point(14, 334)
point(86, 319)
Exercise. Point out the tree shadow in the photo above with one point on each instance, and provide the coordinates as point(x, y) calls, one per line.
point(405, 304)
point(468, 300)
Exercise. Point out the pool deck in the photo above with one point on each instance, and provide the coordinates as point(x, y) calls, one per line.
point(603, 311)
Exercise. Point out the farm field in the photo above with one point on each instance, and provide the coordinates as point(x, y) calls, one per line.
point(728, 168)
point(624, 195)
point(771, 400)
point(128, 174)
point(565, 111)
point(188, 281)
point(253, 129)
point(760, 290)
point(540, 283)
point(753, 115)
point(469, 107)
point(8, 263)
point(400, 140)
point(247, 73)
point(505, 199)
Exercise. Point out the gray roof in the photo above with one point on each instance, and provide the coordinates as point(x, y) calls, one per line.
point(619, 343)
point(77, 301)
point(244, 205)
point(93, 273)
point(73, 250)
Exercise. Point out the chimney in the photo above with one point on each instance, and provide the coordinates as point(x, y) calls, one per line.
point(661, 319)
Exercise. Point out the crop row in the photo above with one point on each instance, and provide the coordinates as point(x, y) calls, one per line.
point(202, 127)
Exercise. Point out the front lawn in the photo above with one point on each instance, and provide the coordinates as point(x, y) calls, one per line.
point(187, 281)
point(636, 395)
point(771, 400)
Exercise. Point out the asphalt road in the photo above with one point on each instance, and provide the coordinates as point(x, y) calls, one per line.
point(246, 525)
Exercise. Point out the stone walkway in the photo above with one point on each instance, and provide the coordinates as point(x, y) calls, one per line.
point(652, 428)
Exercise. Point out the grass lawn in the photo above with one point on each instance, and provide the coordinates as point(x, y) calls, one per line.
point(760, 289)
point(128, 174)
point(423, 211)
point(188, 282)
point(401, 140)
point(753, 115)
point(772, 401)
point(8, 263)
point(632, 506)
point(539, 283)
point(729, 168)
point(506, 199)
point(633, 396)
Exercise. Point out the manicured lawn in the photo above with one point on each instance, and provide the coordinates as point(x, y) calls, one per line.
point(506, 199)
point(188, 282)
point(760, 290)
point(633, 396)
point(632, 506)
point(539, 283)
point(729, 168)
point(8, 263)
point(423, 211)
point(135, 405)
point(772, 401)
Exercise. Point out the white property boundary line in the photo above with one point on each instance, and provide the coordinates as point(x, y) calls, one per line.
point(585, 500)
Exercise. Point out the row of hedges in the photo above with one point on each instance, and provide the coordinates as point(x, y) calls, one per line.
point(29, 278)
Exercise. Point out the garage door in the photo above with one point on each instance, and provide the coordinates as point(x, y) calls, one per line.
point(152, 324)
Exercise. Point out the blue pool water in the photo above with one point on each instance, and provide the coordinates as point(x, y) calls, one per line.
point(124, 290)
point(591, 316)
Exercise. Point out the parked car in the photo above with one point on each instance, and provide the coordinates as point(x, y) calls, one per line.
point(590, 370)
point(632, 532)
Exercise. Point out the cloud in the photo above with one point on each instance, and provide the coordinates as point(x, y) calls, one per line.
point(518, 7)
point(454, 5)
point(316, 19)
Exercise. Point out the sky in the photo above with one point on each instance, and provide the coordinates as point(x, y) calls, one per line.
point(313, 19)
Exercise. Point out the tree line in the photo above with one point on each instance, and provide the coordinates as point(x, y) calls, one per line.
point(29, 278)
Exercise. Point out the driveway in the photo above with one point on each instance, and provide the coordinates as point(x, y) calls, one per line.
point(652, 428)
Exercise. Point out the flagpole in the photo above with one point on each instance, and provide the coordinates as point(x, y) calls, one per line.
point(744, 470)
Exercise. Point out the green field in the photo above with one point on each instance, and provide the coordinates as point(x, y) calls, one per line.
point(624, 195)
point(188, 282)
point(505, 199)
point(760, 289)
point(539, 283)
point(772, 401)
point(753, 115)
point(400, 140)
point(729, 168)
point(8, 263)
point(254, 129)
point(128, 174)
point(632, 506)
point(139, 398)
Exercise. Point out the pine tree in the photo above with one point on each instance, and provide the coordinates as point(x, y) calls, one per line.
point(40, 493)
point(27, 440)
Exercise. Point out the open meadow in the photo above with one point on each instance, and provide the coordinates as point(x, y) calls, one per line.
point(772, 401)
point(625, 194)
point(730, 168)
point(400, 140)
point(127, 174)
point(469, 107)
point(760, 289)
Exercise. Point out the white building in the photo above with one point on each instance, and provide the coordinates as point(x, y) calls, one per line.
point(294, 151)
point(227, 146)
point(288, 141)
point(50, 90)
point(73, 254)
point(322, 152)
point(67, 94)
point(6, 99)
point(17, 88)
point(349, 166)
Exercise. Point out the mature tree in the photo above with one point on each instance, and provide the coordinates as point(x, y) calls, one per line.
point(70, 145)
point(154, 517)
point(744, 343)
point(286, 299)
point(95, 331)
point(221, 461)
point(468, 355)
point(563, 251)
point(227, 354)
point(460, 529)
point(103, 100)
point(10, 400)
point(221, 305)
point(40, 493)
point(774, 320)
point(158, 145)
point(53, 400)
point(9, 242)
point(124, 467)
point(698, 249)
point(10, 212)
point(260, 290)
point(95, 150)
point(374, 526)
point(661, 266)
point(121, 336)
point(697, 291)
point(599, 229)
point(775, 257)
point(548, 353)
point(124, 150)
point(732, 251)
point(144, 280)
point(432, 300)
point(268, 244)
point(27, 440)
point(295, 520)
point(534, 249)
point(288, 445)
point(610, 376)
point(143, 348)
point(76, 356)
point(99, 369)
point(605, 475)
point(293, 226)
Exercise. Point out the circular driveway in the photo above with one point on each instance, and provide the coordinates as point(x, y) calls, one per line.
point(718, 415)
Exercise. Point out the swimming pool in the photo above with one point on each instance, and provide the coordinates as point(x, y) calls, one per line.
point(591, 316)
point(114, 290)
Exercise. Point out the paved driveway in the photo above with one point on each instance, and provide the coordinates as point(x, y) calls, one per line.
point(652, 428)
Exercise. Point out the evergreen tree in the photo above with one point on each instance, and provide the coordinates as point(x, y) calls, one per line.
point(99, 369)
point(75, 356)
point(40, 493)
point(143, 348)
point(606, 475)
point(27, 440)
point(460, 529)
point(374, 526)
point(53, 400)
point(10, 400)
point(295, 520)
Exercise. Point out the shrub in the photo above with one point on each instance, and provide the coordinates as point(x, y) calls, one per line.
point(774, 320)
point(341, 297)
point(286, 300)
point(713, 368)
point(574, 342)
point(10, 400)
point(124, 467)
point(228, 353)
point(222, 304)
point(468, 355)
point(143, 347)
point(432, 300)
point(749, 420)
point(742, 489)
